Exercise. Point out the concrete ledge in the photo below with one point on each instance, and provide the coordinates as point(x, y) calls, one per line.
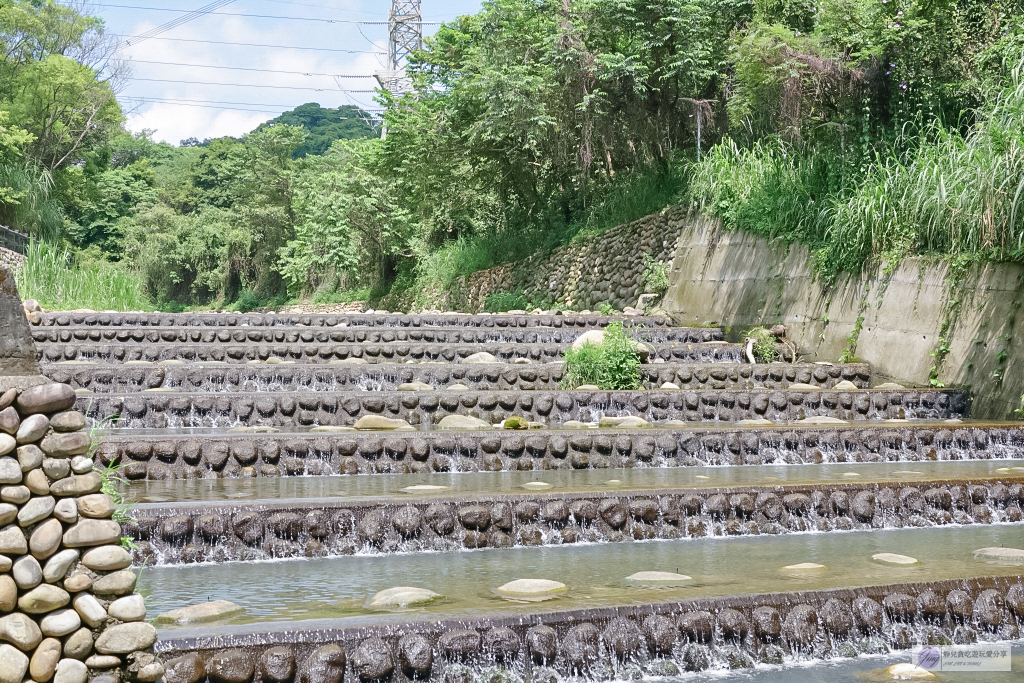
point(216, 378)
point(65, 319)
point(221, 531)
point(323, 335)
point(385, 352)
point(690, 634)
point(161, 410)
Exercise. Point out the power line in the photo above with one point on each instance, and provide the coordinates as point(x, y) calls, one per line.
point(283, 47)
point(247, 85)
point(259, 16)
point(175, 23)
point(244, 68)
point(244, 104)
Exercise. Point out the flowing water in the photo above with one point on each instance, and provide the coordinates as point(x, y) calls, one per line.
point(377, 486)
point(596, 575)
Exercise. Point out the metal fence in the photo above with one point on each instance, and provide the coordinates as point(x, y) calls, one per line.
point(13, 240)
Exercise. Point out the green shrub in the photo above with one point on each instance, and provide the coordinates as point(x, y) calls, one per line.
point(605, 308)
point(655, 275)
point(506, 301)
point(765, 350)
point(613, 365)
point(248, 300)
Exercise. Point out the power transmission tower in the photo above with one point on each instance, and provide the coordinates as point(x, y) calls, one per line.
point(405, 34)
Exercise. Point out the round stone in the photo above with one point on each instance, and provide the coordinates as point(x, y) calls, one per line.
point(117, 583)
point(91, 532)
point(10, 471)
point(128, 608)
point(107, 558)
point(658, 577)
point(29, 457)
point(537, 486)
point(66, 510)
point(56, 567)
point(13, 665)
point(895, 559)
point(79, 644)
point(44, 660)
point(7, 444)
point(43, 599)
point(20, 630)
point(90, 609)
point(122, 639)
point(71, 671)
point(8, 513)
point(32, 429)
point(531, 590)
point(45, 539)
point(95, 506)
point(27, 573)
point(8, 593)
point(402, 597)
point(60, 623)
point(36, 510)
point(46, 398)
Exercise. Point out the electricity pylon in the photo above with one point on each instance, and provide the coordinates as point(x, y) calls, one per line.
point(405, 34)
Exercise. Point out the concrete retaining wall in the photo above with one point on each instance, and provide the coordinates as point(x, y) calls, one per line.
point(742, 280)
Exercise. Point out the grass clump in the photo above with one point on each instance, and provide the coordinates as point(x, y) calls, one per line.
point(613, 365)
point(58, 281)
point(764, 347)
point(500, 302)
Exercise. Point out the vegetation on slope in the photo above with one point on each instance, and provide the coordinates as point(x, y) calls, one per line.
point(865, 129)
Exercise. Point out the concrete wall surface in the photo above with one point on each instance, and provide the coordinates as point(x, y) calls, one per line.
point(739, 280)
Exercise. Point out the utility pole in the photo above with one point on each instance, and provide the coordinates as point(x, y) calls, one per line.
point(405, 34)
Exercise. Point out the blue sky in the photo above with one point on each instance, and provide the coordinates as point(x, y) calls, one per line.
point(171, 94)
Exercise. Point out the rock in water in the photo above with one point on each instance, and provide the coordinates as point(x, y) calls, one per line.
point(845, 385)
point(463, 423)
point(415, 386)
point(908, 672)
point(402, 597)
point(895, 559)
point(207, 611)
point(628, 422)
point(822, 420)
point(531, 590)
point(480, 358)
point(805, 567)
point(377, 422)
point(1000, 555)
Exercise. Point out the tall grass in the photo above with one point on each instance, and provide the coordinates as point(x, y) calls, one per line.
point(50, 275)
point(948, 194)
point(956, 195)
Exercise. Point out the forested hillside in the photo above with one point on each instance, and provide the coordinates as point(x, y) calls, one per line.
point(865, 128)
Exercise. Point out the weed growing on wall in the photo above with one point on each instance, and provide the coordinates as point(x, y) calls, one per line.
point(613, 365)
point(764, 347)
point(655, 275)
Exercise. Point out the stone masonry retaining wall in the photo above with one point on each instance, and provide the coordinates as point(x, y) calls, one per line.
point(69, 613)
point(607, 268)
point(231, 531)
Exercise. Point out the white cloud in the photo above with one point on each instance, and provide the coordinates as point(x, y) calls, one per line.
point(176, 123)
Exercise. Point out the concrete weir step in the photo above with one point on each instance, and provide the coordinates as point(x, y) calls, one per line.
point(384, 352)
point(231, 531)
point(200, 320)
point(626, 642)
point(296, 334)
point(201, 455)
point(215, 378)
point(171, 409)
